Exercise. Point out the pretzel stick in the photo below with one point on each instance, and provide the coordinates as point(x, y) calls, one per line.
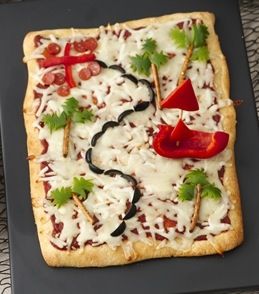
point(183, 75)
point(66, 138)
point(185, 65)
point(157, 85)
point(197, 206)
point(83, 209)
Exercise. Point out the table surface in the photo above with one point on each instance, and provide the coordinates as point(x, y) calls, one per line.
point(250, 19)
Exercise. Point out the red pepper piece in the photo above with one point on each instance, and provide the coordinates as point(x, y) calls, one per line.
point(198, 144)
point(66, 60)
point(180, 132)
point(68, 68)
point(183, 97)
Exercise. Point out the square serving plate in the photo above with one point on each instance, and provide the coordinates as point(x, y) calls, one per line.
point(30, 274)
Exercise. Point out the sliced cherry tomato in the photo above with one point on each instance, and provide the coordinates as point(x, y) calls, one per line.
point(85, 74)
point(94, 67)
point(90, 44)
point(53, 48)
point(48, 78)
point(79, 46)
point(46, 53)
point(63, 90)
point(59, 79)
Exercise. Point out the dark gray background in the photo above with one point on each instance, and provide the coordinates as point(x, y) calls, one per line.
point(30, 275)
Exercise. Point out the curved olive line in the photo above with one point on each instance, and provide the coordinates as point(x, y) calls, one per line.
point(131, 78)
point(141, 106)
point(118, 68)
point(113, 172)
point(101, 63)
point(124, 114)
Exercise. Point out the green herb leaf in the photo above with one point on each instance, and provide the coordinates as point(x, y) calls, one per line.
point(82, 116)
point(199, 35)
point(82, 187)
point(211, 191)
point(158, 58)
point(186, 192)
point(54, 121)
point(149, 46)
point(180, 37)
point(141, 64)
point(70, 106)
point(201, 54)
point(192, 179)
point(61, 196)
point(196, 176)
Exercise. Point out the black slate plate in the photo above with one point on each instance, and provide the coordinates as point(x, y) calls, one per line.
point(30, 275)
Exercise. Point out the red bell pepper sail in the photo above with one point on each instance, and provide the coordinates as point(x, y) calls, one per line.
point(183, 97)
point(180, 132)
point(66, 60)
point(197, 144)
point(68, 68)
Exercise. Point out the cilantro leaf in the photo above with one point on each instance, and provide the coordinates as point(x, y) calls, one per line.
point(158, 58)
point(196, 176)
point(201, 53)
point(211, 191)
point(192, 179)
point(82, 187)
point(141, 64)
point(82, 116)
point(61, 196)
point(180, 37)
point(186, 192)
point(149, 46)
point(199, 35)
point(70, 106)
point(55, 121)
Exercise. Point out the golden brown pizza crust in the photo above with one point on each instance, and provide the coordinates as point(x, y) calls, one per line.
point(104, 255)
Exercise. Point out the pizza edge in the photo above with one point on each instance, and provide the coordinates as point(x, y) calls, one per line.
point(103, 255)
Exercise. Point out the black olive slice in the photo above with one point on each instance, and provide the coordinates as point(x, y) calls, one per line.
point(88, 155)
point(118, 68)
point(109, 124)
point(150, 89)
point(145, 82)
point(131, 78)
point(124, 114)
point(129, 178)
point(113, 172)
point(131, 212)
point(96, 137)
point(95, 168)
point(136, 195)
point(121, 228)
point(141, 106)
point(101, 63)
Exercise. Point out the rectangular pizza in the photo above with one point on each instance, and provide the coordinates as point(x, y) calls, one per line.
point(130, 135)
